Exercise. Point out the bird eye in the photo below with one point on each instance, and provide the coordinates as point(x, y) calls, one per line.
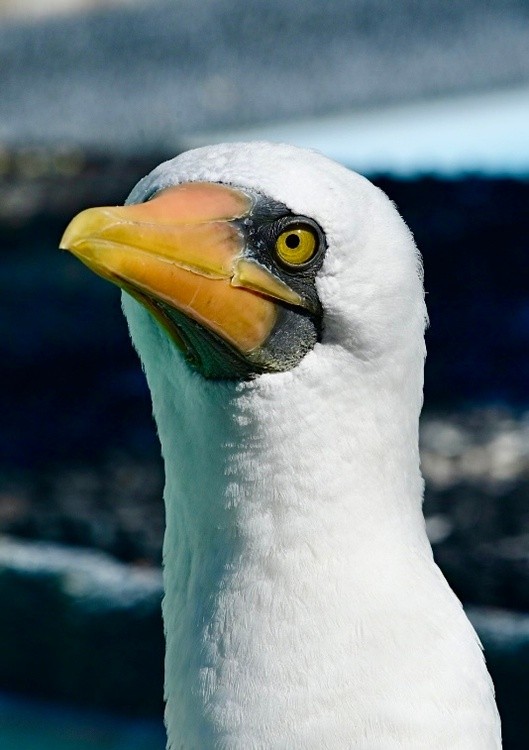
point(296, 245)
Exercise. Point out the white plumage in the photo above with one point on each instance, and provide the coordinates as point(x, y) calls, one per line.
point(303, 608)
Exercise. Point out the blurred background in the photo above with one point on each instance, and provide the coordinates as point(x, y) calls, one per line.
point(430, 100)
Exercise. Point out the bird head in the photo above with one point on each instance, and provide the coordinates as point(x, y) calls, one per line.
point(250, 255)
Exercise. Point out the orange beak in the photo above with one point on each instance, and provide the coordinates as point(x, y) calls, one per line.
point(182, 249)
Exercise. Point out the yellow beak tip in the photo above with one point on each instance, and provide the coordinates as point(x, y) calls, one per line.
point(73, 232)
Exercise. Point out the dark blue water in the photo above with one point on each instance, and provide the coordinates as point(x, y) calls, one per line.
point(28, 725)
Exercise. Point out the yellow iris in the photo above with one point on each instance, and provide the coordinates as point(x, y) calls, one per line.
point(296, 245)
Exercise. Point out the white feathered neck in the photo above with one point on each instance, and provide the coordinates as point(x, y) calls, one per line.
point(303, 608)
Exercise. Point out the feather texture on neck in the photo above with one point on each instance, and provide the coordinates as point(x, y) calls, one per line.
point(303, 607)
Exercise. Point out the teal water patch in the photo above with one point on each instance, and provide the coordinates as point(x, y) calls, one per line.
point(35, 725)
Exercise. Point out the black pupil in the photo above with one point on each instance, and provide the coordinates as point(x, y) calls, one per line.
point(292, 241)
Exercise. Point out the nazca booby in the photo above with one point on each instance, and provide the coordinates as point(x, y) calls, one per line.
point(276, 301)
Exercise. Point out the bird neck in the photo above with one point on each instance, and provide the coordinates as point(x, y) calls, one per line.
point(299, 581)
point(284, 497)
point(302, 463)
